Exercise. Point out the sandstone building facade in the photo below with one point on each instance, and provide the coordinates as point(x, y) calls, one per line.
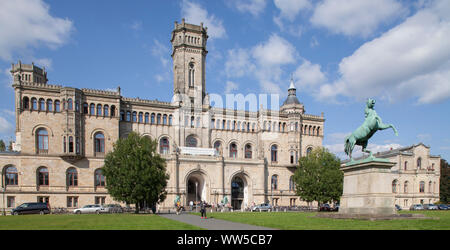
point(63, 134)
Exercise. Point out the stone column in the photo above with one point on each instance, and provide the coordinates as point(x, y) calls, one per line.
point(368, 188)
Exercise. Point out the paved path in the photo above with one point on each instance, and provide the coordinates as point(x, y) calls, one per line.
point(211, 223)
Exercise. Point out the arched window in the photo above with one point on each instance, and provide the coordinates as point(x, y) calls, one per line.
point(248, 151)
point(92, 109)
point(406, 165)
point(394, 186)
point(233, 150)
point(26, 103)
point(42, 141)
point(113, 111)
point(141, 117)
point(50, 105)
point(191, 75)
point(419, 163)
point(429, 186)
point(128, 116)
point(134, 116)
point(422, 187)
point(106, 110)
point(99, 110)
point(146, 117)
point(57, 106)
point(70, 144)
point(291, 183)
point(11, 176)
point(99, 143)
point(274, 153)
point(191, 141)
point(77, 106)
point(165, 119)
point(85, 108)
point(170, 120)
point(292, 157)
point(69, 104)
point(41, 104)
point(122, 115)
point(192, 121)
point(308, 151)
point(152, 119)
point(99, 179)
point(164, 146)
point(274, 182)
point(158, 119)
point(72, 177)
point(34, 105)
point(43, 176)
point(218, 147)
point(405, 187)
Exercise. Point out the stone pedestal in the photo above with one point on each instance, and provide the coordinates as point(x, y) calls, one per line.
point(368, 188)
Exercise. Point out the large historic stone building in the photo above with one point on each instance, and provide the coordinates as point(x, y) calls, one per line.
point(63, 134)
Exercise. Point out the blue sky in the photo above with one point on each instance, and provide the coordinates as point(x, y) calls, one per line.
point(339, 52)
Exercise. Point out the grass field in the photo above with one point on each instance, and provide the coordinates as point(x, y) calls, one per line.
point(307, 221)
point(91, 222)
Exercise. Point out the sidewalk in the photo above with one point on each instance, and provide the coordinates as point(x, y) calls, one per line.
point(211, 224)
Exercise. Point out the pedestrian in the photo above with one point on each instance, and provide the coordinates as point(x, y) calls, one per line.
point(203, 209)
point(191, 204)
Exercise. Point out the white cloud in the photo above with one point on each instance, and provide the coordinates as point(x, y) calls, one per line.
point(275, 51)
point(230, 87)
point(5, 126)
point(309, 75)
point(254, 7)
point(410, 60)
point(195, 14)
point(338, 149)
point(136, 25)
point(238, 63)
point(355, 17)
point(27, 24)
point(289, 9)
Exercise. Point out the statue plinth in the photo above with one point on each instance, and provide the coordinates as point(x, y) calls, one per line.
point(368, 188)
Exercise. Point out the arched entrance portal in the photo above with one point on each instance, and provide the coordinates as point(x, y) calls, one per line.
point(196, 188)
point(238, 193)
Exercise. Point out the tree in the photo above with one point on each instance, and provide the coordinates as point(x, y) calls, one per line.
point(318, 177)
point(444, 187)
point(135, 173)
point(2, 146)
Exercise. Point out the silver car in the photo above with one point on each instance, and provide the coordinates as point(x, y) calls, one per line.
point(90, 209)
point(262, 207)
point(416, 207)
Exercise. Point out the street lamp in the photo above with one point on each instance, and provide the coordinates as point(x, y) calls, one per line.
point(196, 184)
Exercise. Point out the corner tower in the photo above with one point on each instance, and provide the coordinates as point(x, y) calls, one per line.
point(189, 56)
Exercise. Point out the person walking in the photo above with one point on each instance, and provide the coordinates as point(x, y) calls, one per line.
point(203, 209)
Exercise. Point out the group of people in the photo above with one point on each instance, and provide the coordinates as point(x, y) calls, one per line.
point(202, 205)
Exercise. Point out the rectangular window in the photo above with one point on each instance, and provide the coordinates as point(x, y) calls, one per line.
point(11, 201)
point(100, 200)
point(72, 201)
point(45, 199)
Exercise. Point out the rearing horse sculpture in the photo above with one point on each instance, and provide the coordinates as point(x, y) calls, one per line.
point(361, 135)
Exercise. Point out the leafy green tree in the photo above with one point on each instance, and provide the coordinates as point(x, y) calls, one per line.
point(444, 188)
point(318, 177)
point(135, 173)
point(2, 146)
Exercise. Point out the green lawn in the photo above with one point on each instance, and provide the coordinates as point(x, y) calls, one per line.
point(307, 221)
point(91, 222)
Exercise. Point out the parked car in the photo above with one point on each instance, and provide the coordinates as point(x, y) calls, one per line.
point(416, 207)
point(262, 207)
point(430, 207)
point(90, 209)
point(32, 208)
point(397, 207)
point(442, 207)
point(113, 208)
point(325, 207)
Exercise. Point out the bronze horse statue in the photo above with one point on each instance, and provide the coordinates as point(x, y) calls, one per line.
point(361, 135)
